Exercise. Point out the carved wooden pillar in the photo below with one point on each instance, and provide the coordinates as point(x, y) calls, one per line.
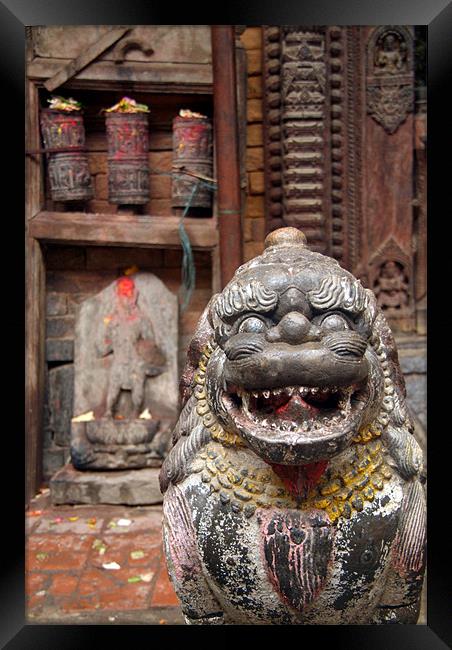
point(296, 126)
point(339, 150)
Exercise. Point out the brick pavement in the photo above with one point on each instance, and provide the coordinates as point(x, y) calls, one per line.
point(82, 565)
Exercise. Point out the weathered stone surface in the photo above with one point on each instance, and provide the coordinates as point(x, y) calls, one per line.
point(416, 390)
point(129, 487)
point(413, 361)
point(47, 435)
point(60, 403)
point(59, 349)
point(125, 375)
point(59, 327)
point(74, 300)
point(56, 304)
point(53, 459)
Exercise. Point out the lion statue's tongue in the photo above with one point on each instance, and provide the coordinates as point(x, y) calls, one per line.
point(300, 479)
point(296, 408)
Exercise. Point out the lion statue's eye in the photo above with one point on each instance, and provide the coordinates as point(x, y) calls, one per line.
point(252, 324)
point(334, 322)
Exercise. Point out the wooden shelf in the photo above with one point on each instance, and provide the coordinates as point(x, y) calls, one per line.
point(151, 77)
point(83, 228)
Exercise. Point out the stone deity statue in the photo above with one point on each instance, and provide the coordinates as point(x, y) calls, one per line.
point(127, 331)
point(125, 384)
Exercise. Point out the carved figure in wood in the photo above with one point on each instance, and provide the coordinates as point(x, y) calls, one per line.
point(391, 288)
point(293, 491)
point(390, 53)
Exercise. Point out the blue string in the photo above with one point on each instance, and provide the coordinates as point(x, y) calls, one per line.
point(188, 264)
point(188, 271)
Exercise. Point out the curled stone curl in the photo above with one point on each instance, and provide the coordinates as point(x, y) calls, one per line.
point(336, 292)
point(253, 296)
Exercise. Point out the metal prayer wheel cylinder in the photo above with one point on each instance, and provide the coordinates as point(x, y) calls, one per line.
point(192, 151)
point(69, 175)
point(128, 157)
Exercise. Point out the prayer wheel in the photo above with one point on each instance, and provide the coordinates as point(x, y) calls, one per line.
point(128, 157)
point(64, 138)
point(192, 152)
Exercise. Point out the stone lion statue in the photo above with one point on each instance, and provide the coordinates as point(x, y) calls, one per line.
point(293, 491)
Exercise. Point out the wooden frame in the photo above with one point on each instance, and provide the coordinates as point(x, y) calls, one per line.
point(35, 305)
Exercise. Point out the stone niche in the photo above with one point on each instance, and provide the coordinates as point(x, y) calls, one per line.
point(125, 393)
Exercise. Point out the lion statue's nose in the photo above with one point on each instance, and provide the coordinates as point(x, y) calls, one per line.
point(294, 328)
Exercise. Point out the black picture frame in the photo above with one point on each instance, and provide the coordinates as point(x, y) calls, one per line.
point(15, 15)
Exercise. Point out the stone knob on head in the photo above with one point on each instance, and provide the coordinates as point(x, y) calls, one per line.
point(286, 237)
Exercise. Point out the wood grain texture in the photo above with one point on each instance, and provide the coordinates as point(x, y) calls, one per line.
point(121, 229)
point(106, 75)
point(35, 307)
point(85, 58)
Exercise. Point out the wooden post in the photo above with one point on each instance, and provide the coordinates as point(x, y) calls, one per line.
point(35, 308)
point(227, 149)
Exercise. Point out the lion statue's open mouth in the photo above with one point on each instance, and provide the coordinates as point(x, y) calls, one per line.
point(294, 373)
point(307, 411)
point(293, 424)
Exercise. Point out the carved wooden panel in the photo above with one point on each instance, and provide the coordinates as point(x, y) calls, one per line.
point(339, 135)
point(143, 43)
